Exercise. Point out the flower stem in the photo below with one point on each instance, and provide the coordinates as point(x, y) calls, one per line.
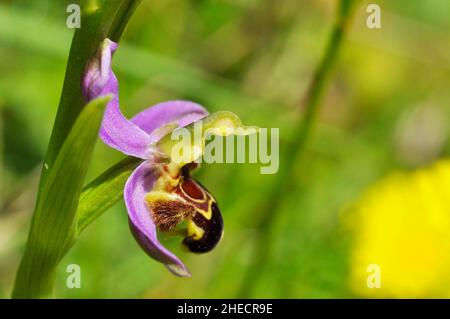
point(106, 20)
point(301, 133)
point(53, 227)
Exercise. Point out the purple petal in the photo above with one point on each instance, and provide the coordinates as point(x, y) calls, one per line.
point(141, 223)
point(116, 131)
point(181, 112)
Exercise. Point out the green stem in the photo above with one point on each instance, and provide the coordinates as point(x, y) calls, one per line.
point(53, 230)
point(108, 20)
point(300, 136)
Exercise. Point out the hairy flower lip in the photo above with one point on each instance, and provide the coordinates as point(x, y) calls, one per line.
point(179, 198)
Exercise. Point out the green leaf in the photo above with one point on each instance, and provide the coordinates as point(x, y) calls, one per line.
point(53, 227)
point(103, 192)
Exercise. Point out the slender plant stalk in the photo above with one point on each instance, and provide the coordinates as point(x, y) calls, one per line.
point(100, 19)
point(54, 225)
point(300, 136)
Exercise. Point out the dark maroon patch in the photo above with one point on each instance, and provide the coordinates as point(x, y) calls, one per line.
point(192, 189)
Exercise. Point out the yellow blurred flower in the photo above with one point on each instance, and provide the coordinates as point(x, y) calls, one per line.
point(402, 224)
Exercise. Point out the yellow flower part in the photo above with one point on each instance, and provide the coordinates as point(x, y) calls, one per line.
point(401, 229)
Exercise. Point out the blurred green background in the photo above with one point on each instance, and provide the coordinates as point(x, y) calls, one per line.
point(386, 108)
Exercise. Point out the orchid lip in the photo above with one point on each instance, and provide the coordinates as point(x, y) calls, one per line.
point(179, 197)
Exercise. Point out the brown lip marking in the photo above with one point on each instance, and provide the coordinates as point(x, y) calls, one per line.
point(168, 214)
point(193, 192)
point(192, 189)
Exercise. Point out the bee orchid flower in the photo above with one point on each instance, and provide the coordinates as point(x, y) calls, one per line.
point(160, 193)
